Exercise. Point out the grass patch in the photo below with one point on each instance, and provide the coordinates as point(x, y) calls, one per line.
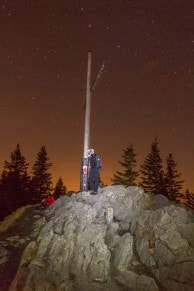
point(10, 220)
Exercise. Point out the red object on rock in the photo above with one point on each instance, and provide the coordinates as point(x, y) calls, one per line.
point(50, 200)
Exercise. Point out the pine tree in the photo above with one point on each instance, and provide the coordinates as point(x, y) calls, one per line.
point(151, 171)
point(4, 209)
point(41, 183)
point(190, 199)
point(128, 177)
point(15, 182)
point(172, 184)
point(60, 189)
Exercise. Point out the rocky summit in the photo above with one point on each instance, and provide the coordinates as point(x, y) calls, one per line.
point(119, 239)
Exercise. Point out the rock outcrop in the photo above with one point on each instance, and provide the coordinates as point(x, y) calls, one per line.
point(142, 242)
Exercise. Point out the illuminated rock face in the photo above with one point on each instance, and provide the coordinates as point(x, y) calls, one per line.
point(148, 245)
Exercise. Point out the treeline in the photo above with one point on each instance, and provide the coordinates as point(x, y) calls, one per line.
point(18, 187)
point(151, 176)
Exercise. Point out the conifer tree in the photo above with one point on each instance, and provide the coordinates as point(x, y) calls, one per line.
point(129, 176)
point(172, 184)
point(4, 205)
point(41, 178)
point(60, 189)
point(190, 199)
point(15, 182)
point(151, 171)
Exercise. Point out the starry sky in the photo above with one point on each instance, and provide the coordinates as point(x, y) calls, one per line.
point(145, 90)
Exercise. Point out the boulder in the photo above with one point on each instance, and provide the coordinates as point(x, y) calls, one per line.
point(124, 252)
point(137, 282)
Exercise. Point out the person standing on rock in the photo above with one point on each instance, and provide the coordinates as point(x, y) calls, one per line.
point(95, 164)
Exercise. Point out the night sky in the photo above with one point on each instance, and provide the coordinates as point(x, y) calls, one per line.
point(146, 89)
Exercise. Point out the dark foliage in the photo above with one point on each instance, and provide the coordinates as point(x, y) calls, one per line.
point(129, 175)
point(171, 179)
point(190, 199)
point(151, 171)
point(14, 186)
point(60, 189)
point(17, 188)
point(41, 182)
